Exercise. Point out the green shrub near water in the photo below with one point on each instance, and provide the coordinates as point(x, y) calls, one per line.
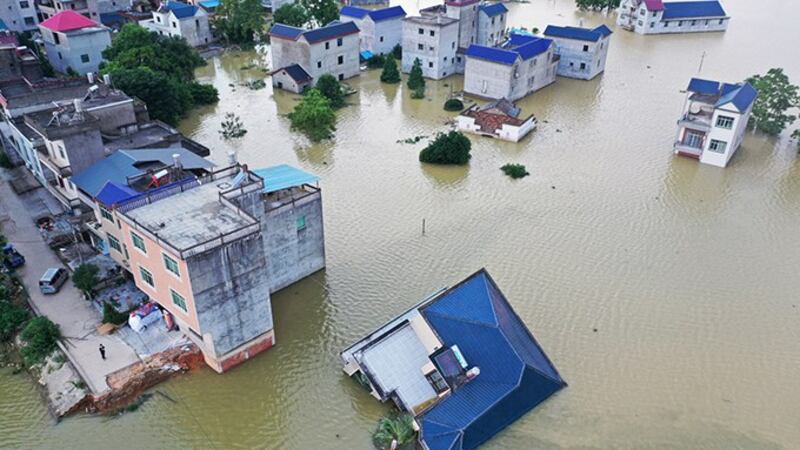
point(390, 72)
point(394, 427)
point(314, 116)
point(397, 52)
point(515, 170)
point(12, 317)
point(40, 337)
point(450, 148)
point(330, 87)
point(453, 104)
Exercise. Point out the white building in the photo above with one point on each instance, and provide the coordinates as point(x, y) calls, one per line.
point(380, 30)
point(714, 120)
point(582, 51)
point(181, 20)
point(498, 119)
point(440, 35)
point(525, 65)
point(658, 17)
point(87, 8)
point(74, 42)
point(330, 49)
point(18, 16)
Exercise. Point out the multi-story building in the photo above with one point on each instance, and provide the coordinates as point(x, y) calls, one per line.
point(74, 42)
point(18, 62)
point(19, 15)
point(210, 249)
point(300, 56)
point(87, 8)
point(526, 64)
point(659, 17)
point(582, 51)
point(491, 24)
point(181, 20)
point(714, 120)
point(380, 30)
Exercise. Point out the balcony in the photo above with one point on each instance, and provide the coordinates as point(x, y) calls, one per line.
point(687, 148)
point(44, 158)
point(697, 121)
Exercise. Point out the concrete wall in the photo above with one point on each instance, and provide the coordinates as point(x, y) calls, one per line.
point(282, 80)
point(467, 23)
point(18, 18)
point(634, 13)
point(379, 38)
point(732, 137)
point(492, 80)
point(83, 149)
point(115, 115)
point(195, 30)
point(316, 59)
point(438, 52)
point(491, 30)
point(72, 46)
point(581, 59)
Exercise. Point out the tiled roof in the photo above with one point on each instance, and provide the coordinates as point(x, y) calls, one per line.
point(688, 10)
point(179, 9)
point(209, 4)
point(654, 5)
point(517, 39)
point(296, 72)
point(353, 11)
point(68, 21)
point(492, 54)
point(285, 31)
point(387, 13)
point(525, 47)
point(515, 374)
point(533, 48)
point(494, 9)
point(581, 34)
point(330, 31)
point(113, 193)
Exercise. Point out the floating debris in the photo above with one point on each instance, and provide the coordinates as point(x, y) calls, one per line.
point(412, 140)
point(255, 84)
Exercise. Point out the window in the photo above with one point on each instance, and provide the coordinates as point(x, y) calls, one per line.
point(694, 22)
point(721, 21)
point(57, 40)
point(125, 251)
point(583, 66)
point(421, 31)
point(666, 24)
point(327, 46)
point(652, 24)
point(492, 20)
point(147, 277)
point(114, 243)
point(61, 152)
point(430, 64)
point(707, 22)
point(341, 59)
point(433, 33)
point(29, 21)
point(106, 214)
point(196, 23)
point(430, 48)
point(319, 64)
point(641, 23)
point(341, 76)
point(158, 19)
point(717, 146)
point(178, 300)
point(301, 223)
point(138, 242)
point(381, 38)
point(680, 23)
point(171, 264)
point(452, 45)
point(84, 58)
point(24, 5)
point(420, 47)
point(725, 122)
point(339, 42)
point(586, 48)
point(174, 25)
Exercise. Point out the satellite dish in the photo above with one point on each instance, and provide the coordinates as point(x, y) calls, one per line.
point(694, 108)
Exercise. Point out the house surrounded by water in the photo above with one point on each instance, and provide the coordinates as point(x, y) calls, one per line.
point(300, 57)
point(582, 51)
point(461, 362)
point(714, 120)
point(497, 119)
point(180, 19)
point(659, 17)
point(380, 30)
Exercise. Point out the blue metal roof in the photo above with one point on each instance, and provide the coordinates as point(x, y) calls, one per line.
point(353, 11)
point(515, 374)
point(332, 30)
point(494, 9)
point(688, 10)
point(113, 193)
point(604, 30)
point(284, 176)
point(209, 4)
point(742, 97)
point(179, 9)
point(387, 13)
point(516, 39)
point(525, 47)
point(296, 72)
point(581, 34)
point(492, 54)
point(702, 86)
point(533, 48)
point(285, 31)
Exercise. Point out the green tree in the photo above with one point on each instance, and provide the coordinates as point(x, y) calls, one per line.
point(314, 116)
point(203, 94)
point(397, 428)
point(232, 127)
point(453, 104)
point(293, 14)
point(11, 319)
point(397, 52)
point(597, 5)
point(166, 99)
point(515, 170)
point(450, 148)
point(112, 316)
point(85, 278)
point(330, 87)
point(776, 95)
point(240, 21)
point(390, 73)
point(40, 337)
point(322, 12)
point(415, 79)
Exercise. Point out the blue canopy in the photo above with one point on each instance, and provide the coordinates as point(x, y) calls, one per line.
point(366, 55)
point(284, 176)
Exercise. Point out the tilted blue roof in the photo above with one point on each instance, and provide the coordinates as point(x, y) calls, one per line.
point(581, 34)
point(387, 13)
point(284, 176)
point(516, 39)
point(209, 4)
point(113, 193)
point(179, 9)
point(519, 45)
point(515, 374)
point(702, 86)
point(285, 31)
point(533, 48)
point(688, 10)
point(492, 54)
point(353, 11)
point(296, 72)
point(604, 30)
point(742, 97)
point(332, 30)
point(494, 9)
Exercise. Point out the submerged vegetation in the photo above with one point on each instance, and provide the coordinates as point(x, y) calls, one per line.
point(394, 428)
point(515, 170)
point(776, 96)
point(451, 148)
point(314, 116)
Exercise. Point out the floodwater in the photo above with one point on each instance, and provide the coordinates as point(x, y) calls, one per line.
point(688, 273)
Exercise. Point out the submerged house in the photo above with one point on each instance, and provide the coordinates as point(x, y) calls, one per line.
point(714, 120)
point(380, 30)
point(462, 362)
point(180, 19)
point(525, 65)
point(582, 51)
point(659, 17)
point(498, 119)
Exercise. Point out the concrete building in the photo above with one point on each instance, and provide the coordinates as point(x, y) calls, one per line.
point(181, 20)
point(211, 248)
point(491, 24)
point(461, 362)
point(582, 51)
point(498, 119)
point(74, 42)
point(87, 8)
point(18, 62)
point(332, 49)
point(714, 120)
point(525, 65)
point(17, 16)
point(659, 17)
point(380, 30)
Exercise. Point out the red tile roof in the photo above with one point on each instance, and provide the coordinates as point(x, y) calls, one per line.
point(68, 21)
point(654, 5)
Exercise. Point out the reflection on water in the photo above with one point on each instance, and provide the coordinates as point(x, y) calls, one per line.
point(688, 272)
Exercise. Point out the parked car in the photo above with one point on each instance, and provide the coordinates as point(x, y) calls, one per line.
point(52, 280)
point(12, 259)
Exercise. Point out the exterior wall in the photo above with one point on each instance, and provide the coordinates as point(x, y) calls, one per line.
point(575, 53)
point(732, 138)
point(26, 149)
point(491, 30)
point(507, 132)
point(114, 116)
point(492, 80)
point(67, 53)
point(388, 35)
point(195, 30)
point(689, 25)
point(282, 80)
point(438, 53)
point(285, 52)
point(19, 15)
point(366, 31)
point(316, 59)
point(633, 15)
point(467, 16)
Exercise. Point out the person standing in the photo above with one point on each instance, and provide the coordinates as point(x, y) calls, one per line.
point(102, 351)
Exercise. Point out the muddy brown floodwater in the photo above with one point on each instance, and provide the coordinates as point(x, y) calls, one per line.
point(688, 273)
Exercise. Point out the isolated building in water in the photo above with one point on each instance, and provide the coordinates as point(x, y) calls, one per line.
point(659, 17)
point(380, 30)
point(582, 51)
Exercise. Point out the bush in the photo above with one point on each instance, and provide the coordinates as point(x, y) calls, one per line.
point(314, 116)
point(203, 94)
point(453, 104)
point(40, 337)
point(415, 78)
point(397, 52)
point(111, 315)
point(418, 93)
point(330, 87)
point(515, 170)
point(450, 148)
point(390, 73)
point(377, 61)
point(12, 317)
point(85, 278)
point(394, 428)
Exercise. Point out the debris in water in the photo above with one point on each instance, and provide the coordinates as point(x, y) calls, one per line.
point(412, 140)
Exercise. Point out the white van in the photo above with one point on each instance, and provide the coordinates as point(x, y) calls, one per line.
point(52, 280)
